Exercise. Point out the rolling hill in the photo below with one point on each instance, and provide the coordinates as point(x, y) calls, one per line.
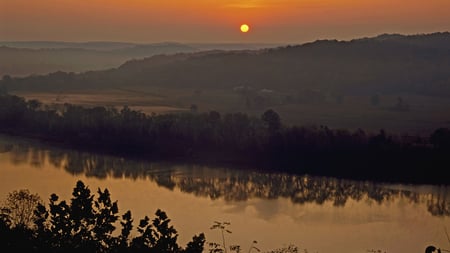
point(22, 58)
point(385, 64)
point(400, 83)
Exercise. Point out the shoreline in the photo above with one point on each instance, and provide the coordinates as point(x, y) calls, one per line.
point(218, 161)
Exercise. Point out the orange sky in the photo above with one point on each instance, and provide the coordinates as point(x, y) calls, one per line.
point(285, 21)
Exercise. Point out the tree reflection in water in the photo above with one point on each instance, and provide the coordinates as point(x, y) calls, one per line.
point(229, 184)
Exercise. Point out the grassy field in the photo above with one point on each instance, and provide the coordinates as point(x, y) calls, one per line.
point(421, 114)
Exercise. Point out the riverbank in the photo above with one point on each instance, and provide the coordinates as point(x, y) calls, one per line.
point(233, 140)
point(362, 167)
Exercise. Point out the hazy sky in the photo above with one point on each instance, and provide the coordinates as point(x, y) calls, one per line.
point(286, 21)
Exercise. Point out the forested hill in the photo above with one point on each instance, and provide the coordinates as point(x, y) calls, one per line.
point(386, 64)
point(23, 58)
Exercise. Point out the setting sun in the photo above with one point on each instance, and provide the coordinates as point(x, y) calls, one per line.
point(245, 28)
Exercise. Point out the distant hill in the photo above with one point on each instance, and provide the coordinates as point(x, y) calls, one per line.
point(47, 57)
point(95, 45)
point(22, 58)
point(389, 63)
point(25, 61)
point(107, 45)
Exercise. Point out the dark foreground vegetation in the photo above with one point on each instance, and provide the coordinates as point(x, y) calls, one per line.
point(237, 139)
point(89, 223)
point(86, 223)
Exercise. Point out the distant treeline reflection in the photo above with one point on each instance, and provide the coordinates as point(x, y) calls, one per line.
point(229, 184)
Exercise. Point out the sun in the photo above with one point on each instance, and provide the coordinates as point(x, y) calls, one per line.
point(245, 28)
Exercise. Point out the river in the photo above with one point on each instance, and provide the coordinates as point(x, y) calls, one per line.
point(315, 214)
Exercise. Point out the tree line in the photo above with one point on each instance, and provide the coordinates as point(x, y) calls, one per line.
point(86, 223)
point(236, 138)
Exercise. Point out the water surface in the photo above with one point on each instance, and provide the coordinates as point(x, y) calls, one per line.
point(316, 214)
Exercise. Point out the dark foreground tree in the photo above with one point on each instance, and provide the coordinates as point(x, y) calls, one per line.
point(87, 224)
point(19, 208)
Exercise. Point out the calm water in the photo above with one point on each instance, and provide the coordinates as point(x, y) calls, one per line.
point(317, 214)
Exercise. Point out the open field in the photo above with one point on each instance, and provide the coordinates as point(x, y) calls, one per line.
point(422, 115)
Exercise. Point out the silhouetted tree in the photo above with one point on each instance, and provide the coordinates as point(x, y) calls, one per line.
point(144, 240)
point(105, 212)
point(123, 242)
point(164, 235)
point(272, 120)
point(19, 208)
point(87, 225)
point(196, 245)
